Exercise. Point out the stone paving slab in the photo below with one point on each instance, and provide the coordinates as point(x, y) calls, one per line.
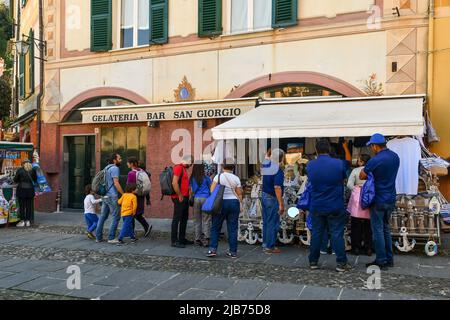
point(215, 283)
point(129, 291)
point(245, 289)
point(159, 294)
point(181, 282)
point(91, 291)
point(199, 294)
point(277, 291)
point(39, 284)
point(319, 293)
point(359, 295)
point(18, 278)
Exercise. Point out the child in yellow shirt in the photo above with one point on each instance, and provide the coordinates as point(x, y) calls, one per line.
point(128, 203)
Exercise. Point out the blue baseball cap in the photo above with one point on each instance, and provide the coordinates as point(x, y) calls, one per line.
point(377, 138)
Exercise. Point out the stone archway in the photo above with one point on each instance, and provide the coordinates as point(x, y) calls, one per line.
point(280, 78)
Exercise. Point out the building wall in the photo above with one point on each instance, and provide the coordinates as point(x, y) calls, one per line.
point(440, 100)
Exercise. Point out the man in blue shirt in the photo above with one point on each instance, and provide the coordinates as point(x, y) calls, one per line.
point(326, 176)
point(384, 167)
point(272, 199)
point(109, 203)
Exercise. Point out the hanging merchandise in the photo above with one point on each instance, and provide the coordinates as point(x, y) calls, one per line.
point(13, 208)
point(42, 185)
point(431, 132)
point(409, 151)
point(4, 208)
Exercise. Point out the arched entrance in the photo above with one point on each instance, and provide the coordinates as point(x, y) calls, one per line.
point(299, 82)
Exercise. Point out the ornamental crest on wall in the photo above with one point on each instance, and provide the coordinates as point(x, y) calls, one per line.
point(184, 92)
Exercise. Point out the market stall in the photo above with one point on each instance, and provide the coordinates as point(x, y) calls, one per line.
point(11, 156)
point(294, 125)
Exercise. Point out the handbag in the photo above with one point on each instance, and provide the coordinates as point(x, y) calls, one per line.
point(368, 192)
point(305, 198)
point(213, 204)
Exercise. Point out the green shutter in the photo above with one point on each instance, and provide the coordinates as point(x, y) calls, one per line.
point(159, 21)
point(284, 13)
point(209, 18)
point(31, 62)
point(21, 76)
point(101, 25)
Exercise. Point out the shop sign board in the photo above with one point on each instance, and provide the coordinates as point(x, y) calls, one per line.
point(171, 112)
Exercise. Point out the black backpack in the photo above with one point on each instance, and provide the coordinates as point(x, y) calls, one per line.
point(165, 181)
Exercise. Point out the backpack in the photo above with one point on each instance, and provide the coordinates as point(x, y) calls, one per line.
point(213, 204)
point(99, 183)
point(165, 182)
point(368, 192)
point(143, 184)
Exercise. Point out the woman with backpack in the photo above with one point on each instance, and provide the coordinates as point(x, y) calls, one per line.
point(199, 190)
point(133, 165)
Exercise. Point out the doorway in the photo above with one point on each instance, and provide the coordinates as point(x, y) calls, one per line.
point(81, 167)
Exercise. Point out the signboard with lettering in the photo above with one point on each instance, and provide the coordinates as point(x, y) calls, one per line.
point(172, 112)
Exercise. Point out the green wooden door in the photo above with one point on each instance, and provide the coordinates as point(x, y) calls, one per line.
point(81, 167)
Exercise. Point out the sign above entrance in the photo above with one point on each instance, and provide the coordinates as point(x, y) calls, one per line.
point(169, 112)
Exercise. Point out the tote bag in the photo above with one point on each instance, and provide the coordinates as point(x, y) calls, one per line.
point(305, 198)
point(368, 192)
point(213, 204)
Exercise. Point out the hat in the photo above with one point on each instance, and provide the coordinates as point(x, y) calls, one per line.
point(377, 138)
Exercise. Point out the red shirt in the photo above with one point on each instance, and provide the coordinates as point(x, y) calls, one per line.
point(180, 171)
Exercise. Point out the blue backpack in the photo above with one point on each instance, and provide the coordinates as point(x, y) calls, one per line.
point(368, 192)
point(213, 204)
point(305, 198)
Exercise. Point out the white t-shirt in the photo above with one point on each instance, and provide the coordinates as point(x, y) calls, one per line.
point(89, 203)
point(409, 152)
point(231, 182)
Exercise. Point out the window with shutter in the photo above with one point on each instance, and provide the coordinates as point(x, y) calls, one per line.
point(284, 13)
point(101, 25)
point(159, 21)
point(209, 18)
point(21, 76)
point(31, 63)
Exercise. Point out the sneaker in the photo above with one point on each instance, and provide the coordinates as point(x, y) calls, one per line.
point(90, 235)
point(313, 266)
point(99, 240)
point(27, 224)
point(211, 254)
point(374, 263)
point(323, 252)
point(147, 233)
point(113, 241)
point(231, 255)
point(119, 243)
point(343, 267)
point(272, 251)
point(178, 245)
point(21, 224)
point(134, 240)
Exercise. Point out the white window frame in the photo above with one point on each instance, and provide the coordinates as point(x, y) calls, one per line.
point(135, 27)
point(250, 17)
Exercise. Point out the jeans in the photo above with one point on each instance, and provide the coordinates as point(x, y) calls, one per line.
point(202, 222)
point(127, 228)
point(180, 219)
point(230, 211)
point(325, 240)
point(361, 234)
point(109, 205)
point(380, 215)
point(336, 222)
point(26, 209)
point(271, 220)
point(91, 221)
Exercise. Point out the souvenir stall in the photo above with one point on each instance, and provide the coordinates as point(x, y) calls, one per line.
point(295, 124)
point(11, 156)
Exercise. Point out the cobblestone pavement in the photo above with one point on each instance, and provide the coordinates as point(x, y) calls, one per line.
point(33, 265)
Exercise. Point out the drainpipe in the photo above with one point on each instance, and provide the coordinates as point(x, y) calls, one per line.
point(430, 67)
point(41, 76)
point(15, 109)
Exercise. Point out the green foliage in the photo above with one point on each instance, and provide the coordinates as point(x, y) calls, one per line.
point(5, 97)
point(6, 29)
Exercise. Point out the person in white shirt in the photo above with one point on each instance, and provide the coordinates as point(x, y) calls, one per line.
point(361, 233)
point(90, 211)
point(231, 208)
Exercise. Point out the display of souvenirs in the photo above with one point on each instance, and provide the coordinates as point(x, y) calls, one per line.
point(13, 208)
point(4, 208)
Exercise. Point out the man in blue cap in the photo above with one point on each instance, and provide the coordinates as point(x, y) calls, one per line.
point(384, 167)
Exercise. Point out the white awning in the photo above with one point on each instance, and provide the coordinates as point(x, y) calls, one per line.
point(334, 117)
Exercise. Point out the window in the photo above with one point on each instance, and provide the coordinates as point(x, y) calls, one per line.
point(26, 69)
point(294, 90)
point(134, 23)
point(250, 15)
point(75, 115)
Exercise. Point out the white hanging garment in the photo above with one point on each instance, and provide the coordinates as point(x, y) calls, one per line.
point(409, 152)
